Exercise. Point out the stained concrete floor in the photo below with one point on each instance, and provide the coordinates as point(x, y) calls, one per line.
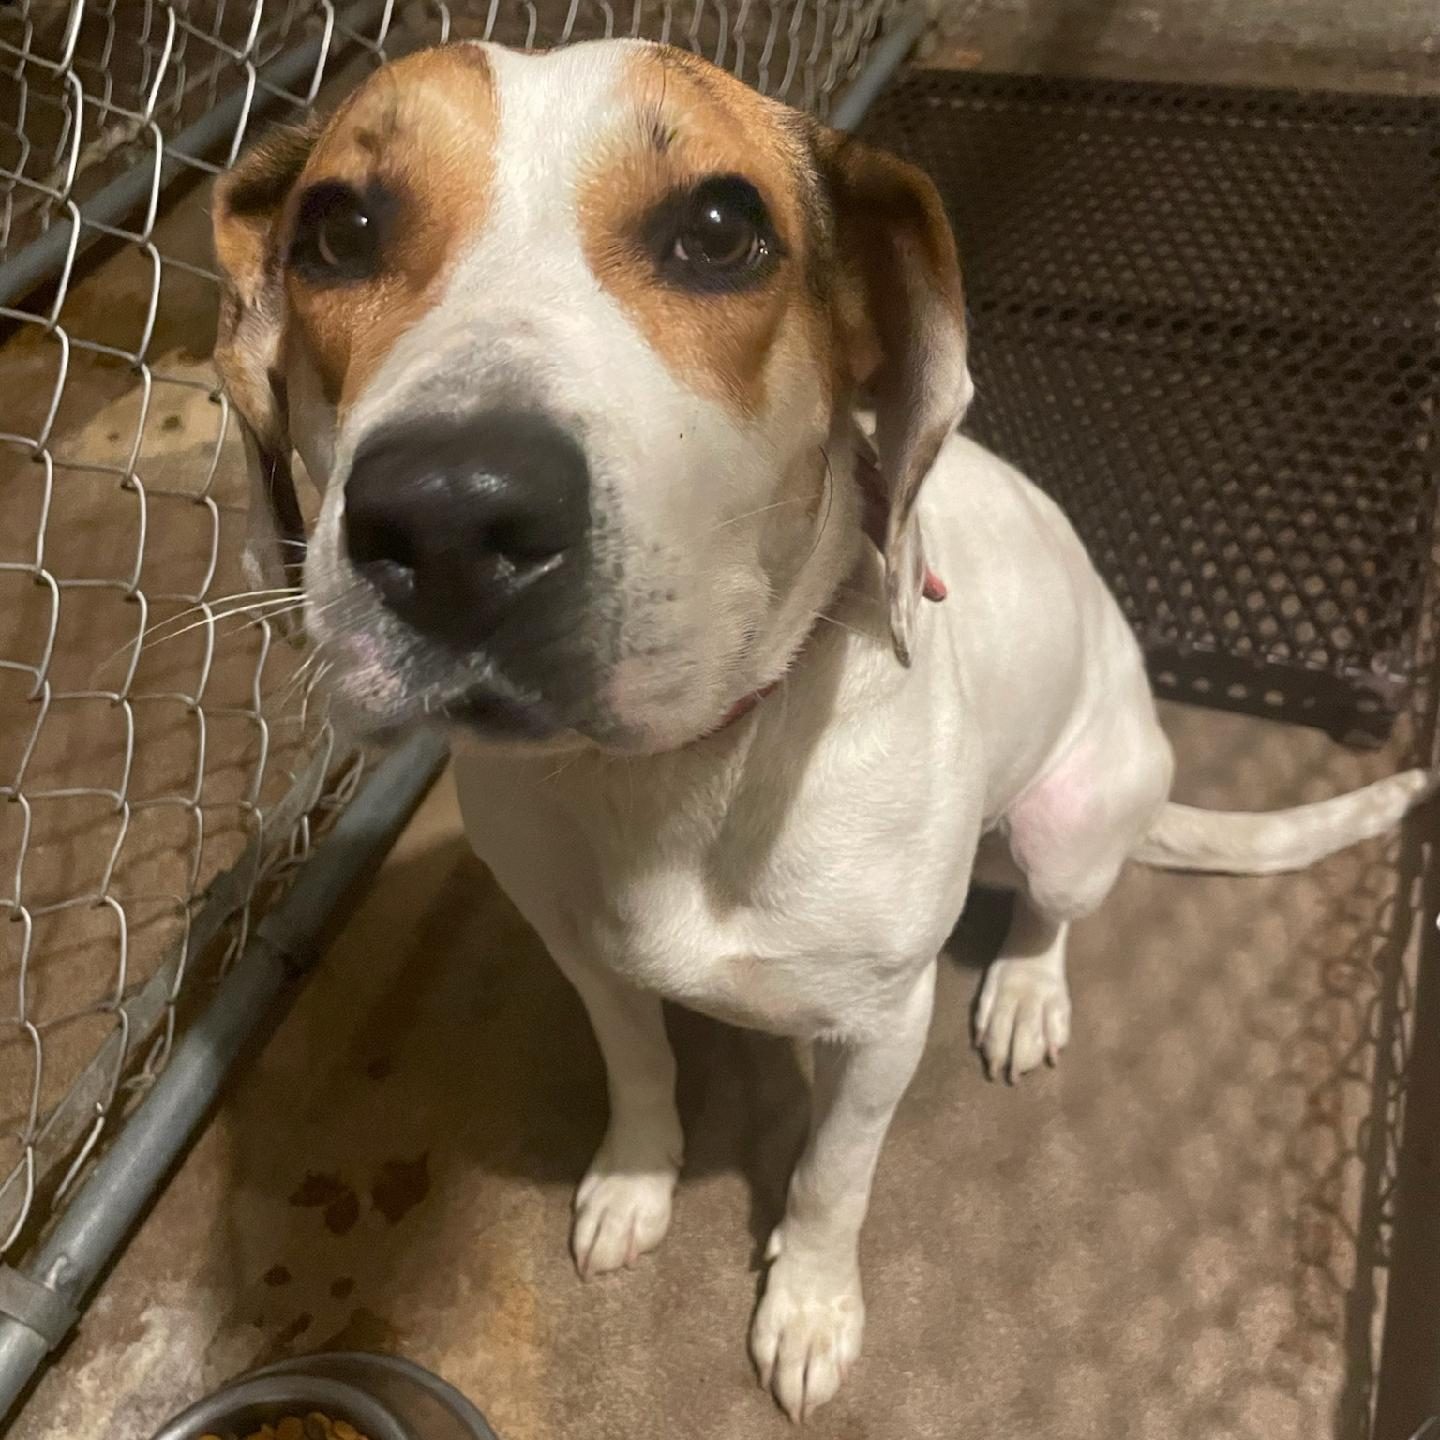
point(1172, 1234)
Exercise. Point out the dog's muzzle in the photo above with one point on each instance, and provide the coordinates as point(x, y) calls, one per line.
point(475, 533)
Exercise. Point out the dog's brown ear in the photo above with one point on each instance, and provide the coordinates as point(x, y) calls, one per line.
point(245, 214)
point(900, 315)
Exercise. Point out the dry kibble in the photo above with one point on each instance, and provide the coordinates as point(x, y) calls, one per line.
point(313, 1426)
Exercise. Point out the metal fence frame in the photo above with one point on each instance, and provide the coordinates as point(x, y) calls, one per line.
point(42, 1298)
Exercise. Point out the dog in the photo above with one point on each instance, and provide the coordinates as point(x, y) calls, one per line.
point(633, 400)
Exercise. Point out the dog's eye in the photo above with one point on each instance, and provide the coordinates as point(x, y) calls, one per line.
point(337, 235)
point(718, 233)
point(717, 237)
point(344, 239)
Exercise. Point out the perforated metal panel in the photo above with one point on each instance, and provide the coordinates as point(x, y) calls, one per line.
point(1208, 321)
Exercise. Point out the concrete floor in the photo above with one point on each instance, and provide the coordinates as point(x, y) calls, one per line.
point(1179, 1232)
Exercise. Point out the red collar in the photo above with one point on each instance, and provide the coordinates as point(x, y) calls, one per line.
point(743, 706)
point(934, 591)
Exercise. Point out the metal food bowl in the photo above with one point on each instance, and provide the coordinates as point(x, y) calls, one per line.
point(381, 1396)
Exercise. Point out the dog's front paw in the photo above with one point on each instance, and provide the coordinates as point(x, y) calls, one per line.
point(622, 1211)
point(807, 1331)
point(1023, 1016)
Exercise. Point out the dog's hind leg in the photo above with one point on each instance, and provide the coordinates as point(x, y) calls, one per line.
point(1023, 1014)
point(1069, 836)
point(622, 1208)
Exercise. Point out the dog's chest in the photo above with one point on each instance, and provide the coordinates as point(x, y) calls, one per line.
point(785, 918)
point(786, 959)
point(799, 961)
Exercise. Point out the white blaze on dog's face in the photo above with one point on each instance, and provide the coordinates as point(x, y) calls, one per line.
point(570, 341)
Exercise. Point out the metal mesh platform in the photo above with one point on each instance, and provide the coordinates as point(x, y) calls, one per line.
point(1206, 320)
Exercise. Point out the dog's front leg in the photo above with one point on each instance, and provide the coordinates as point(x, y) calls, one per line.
point(622, 1208)
point(808, 1327)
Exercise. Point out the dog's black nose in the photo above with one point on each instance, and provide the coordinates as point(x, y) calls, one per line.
point(460, 524)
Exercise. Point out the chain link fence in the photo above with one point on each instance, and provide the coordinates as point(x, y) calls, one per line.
point(163, 761)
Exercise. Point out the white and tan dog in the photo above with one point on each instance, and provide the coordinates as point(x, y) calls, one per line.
point(573, 344)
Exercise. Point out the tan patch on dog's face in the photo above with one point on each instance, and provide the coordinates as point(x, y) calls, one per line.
point(694, 122)
point(417, 144)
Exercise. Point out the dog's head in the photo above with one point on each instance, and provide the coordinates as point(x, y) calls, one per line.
point(572, 343)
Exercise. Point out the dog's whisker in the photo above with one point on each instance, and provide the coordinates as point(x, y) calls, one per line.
point(307, 682)
point(288, 591)
point(303, 682)
point(267, 610)
point(759, 510)
point(559, 770)
point(223, 604)
point(841, 625)
point(829, 505)
point(295, 681)
point(147, 636)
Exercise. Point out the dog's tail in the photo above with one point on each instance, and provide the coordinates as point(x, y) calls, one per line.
point(1238, 842)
